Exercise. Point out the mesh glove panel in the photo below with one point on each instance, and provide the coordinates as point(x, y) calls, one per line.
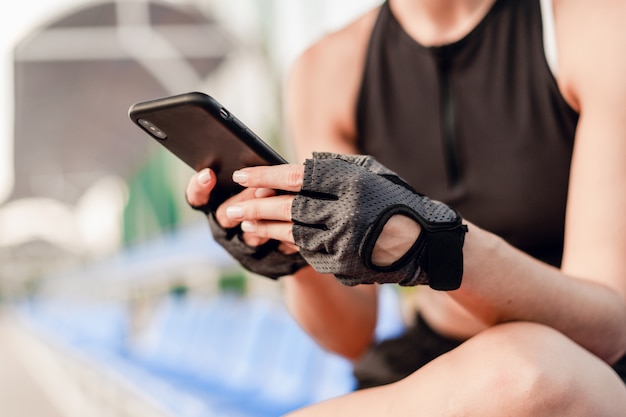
point(343, 206)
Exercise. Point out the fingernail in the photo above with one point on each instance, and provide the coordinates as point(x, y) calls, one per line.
point(240, 177)
point(234, 212)
point(248, 226)
point(204, 177)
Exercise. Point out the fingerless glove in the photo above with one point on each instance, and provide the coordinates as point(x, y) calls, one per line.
point(344, 204)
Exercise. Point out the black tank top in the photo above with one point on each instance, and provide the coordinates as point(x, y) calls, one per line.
point(479, 124)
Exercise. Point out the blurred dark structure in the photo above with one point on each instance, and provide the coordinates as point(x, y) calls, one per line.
point(75, 78)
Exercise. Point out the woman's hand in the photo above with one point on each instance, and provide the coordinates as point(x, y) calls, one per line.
point(269, 215)
point(348, 215)
point(258, 254)
point(341, 215)
point(198, 193)
point(270, 218)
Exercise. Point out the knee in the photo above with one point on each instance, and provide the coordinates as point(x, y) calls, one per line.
point(525, 370)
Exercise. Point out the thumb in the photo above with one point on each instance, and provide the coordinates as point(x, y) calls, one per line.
point(199, 187)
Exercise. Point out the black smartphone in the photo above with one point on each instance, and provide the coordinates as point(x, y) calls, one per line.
point(204, 134)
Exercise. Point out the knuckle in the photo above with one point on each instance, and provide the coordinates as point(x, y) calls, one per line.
point(222, 220)
point(287, 248)
point(253, 212)
point(260, 229)
point(198, 199)
point(294, 176)
point(286, 209)
point(252, 240)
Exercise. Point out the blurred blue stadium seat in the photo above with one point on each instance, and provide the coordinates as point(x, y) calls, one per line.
point(221, 356)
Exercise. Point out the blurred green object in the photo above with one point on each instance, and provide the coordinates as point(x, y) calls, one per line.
point(233, 282)
point(179, 291)
point(153, 202)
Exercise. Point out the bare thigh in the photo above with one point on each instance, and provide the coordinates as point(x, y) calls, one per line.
point(515, 369)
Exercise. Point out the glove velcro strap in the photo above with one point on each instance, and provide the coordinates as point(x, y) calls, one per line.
point(438, 250)
point(445, 257)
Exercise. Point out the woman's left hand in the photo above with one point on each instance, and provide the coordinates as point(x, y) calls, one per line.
point(354, 218)
point(270, 216)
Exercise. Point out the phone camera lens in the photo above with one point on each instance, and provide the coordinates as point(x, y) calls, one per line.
point(153, 129)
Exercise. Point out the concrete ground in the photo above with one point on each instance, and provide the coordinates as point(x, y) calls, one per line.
point(20, 393)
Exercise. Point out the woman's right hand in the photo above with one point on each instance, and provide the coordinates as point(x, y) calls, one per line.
point(261, 255)
point(198, 193)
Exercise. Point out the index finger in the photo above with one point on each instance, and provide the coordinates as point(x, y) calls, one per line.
point(286, 177)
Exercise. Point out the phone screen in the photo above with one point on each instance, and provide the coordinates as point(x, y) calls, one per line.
point(204, 134)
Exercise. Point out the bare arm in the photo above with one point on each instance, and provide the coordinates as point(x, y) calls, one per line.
point(320, 98)
point(585, 299)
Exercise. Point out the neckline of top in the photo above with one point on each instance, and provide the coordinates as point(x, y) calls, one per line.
point(447, 47)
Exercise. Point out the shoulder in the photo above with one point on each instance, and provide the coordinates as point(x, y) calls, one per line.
point(324, 81)
point(341, 49)
point(591, 39)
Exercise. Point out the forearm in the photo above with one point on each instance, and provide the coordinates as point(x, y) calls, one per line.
point(498, 283)
point(502, 284)
point(341, 319)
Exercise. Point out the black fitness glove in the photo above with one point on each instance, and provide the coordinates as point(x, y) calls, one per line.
point(343, 206)
point(264, 259)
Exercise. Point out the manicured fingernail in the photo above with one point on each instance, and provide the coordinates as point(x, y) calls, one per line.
point(240, 177)
point(248, 226)
point(204, 177)
point(234, 212)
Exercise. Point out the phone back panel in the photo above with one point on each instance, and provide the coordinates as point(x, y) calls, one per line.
point(202, 133)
